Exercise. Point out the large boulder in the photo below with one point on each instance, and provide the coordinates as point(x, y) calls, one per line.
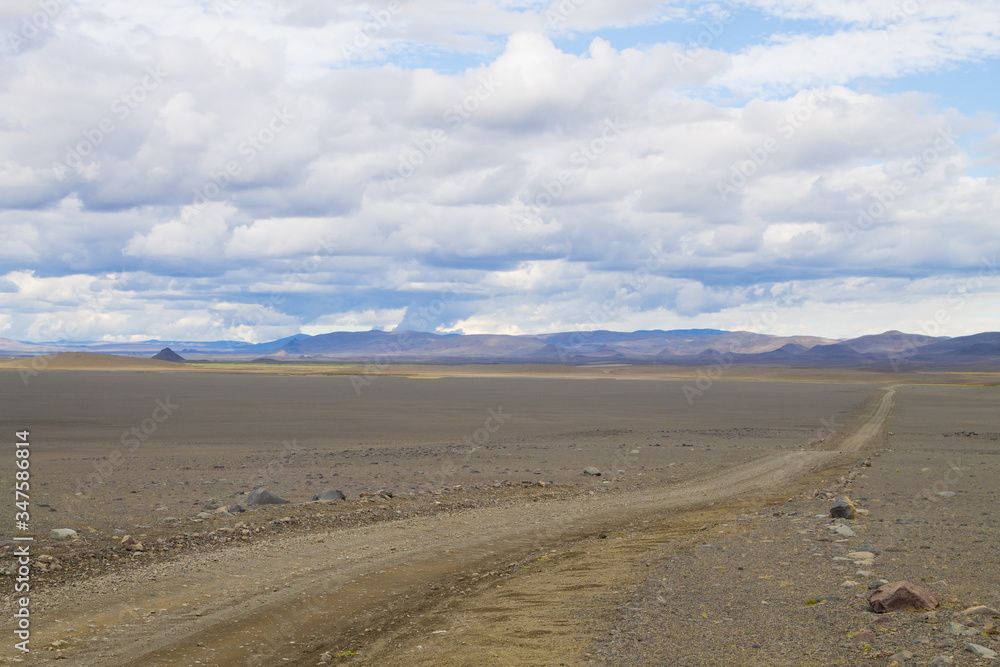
point(843, 509)
point(330, 494)
point(264, 497)
point(901, 596)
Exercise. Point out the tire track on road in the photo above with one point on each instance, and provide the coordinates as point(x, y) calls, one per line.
point(329, 597)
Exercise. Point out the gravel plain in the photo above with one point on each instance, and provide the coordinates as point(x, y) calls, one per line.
point(700, 543)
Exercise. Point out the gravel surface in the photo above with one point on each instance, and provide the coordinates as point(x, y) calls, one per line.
point(778, 587)
point(714, 554)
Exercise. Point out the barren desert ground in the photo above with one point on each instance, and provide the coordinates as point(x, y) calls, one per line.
point(470, 534)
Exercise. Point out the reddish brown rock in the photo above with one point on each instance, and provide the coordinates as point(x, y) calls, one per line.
point(863, 637)
point(901, 596)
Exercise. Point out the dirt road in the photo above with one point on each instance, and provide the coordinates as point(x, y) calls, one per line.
point(290, 599)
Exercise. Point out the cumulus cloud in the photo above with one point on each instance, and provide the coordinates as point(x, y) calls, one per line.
point(198, 234)
point(244, 170)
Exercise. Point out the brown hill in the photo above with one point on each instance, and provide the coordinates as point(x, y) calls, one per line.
point(87, 361)
point(166, 354)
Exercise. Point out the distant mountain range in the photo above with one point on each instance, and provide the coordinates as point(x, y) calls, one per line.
point(892, 350)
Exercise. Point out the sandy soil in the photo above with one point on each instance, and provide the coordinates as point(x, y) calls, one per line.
point(501, 571)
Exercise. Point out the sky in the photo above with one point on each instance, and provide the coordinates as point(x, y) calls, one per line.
point(249, 170)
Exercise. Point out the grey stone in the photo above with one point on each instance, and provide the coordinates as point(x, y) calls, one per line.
point(946, 494)
point(981, 651)
point(942, 661)
point(980, 610)
point(902, 656)
point(330, 495)
point(264, 497)
point(843, 509)
point(960, 630)
point(591, 471)
point(844, 531)
point(63, 533)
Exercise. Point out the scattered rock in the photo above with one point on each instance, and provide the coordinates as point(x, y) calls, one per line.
point(844, 509)
point(901, 596)
point(591, 471)
point(946, 494)
point(844, 531)
point(863, 637)
point(960, 630)
point(902, 656)
point(330, 495)
point(981, 651)
point(930, 617)
point(864, 573)
point(63, 533)
point(980, 610)
point(942, 661)
point(129, 543)
point(264, 497)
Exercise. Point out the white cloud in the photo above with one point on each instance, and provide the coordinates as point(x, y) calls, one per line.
point(882, 40)
point(198, 233)
point(509, 185)
point(355, 320)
